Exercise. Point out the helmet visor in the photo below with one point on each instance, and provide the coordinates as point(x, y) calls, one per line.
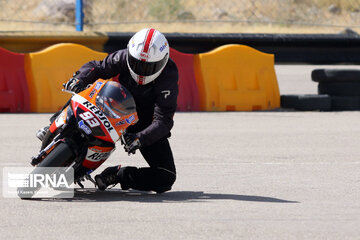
point(143, 68)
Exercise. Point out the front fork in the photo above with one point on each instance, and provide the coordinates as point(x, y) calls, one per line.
point(45, 151)
point(64, 131)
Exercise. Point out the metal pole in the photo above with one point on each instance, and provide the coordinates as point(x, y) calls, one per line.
point(79, 15)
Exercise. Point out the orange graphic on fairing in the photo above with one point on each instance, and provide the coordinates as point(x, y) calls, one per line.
point(102, 111)
point(121, 119)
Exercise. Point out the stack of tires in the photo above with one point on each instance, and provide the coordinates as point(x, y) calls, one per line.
point(338, 90)
point(343, 86)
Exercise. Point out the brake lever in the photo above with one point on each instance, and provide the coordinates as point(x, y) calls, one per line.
point(67, 91)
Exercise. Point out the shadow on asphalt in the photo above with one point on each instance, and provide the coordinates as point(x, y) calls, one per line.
point(93, 195)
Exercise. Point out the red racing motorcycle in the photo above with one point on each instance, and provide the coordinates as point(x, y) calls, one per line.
point(84, 134)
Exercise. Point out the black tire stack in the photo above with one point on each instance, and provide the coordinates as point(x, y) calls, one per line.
point(306, 102)
point(338, 90)
point(343, 86)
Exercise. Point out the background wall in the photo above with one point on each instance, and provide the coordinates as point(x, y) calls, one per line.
point(293, 31)
point(215, 16)
point(341, 48)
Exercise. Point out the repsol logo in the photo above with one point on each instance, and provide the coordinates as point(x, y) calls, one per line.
point(99, 114)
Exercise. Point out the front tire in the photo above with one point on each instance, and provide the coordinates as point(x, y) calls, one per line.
point(60, 156)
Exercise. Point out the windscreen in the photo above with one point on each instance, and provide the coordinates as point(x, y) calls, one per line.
point(115, 100)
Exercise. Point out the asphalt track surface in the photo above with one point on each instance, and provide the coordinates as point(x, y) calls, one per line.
point(241, 175)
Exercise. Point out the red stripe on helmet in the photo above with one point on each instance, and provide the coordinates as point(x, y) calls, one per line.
point(148, 39)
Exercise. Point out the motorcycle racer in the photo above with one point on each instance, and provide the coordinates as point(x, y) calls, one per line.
point(146, 70)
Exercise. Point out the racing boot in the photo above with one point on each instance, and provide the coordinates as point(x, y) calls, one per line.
point(42, 132)
point(108, 177)
point(114, 175)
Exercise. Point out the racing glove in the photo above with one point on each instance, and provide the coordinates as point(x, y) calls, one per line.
point(131, 142)
point(74, 84)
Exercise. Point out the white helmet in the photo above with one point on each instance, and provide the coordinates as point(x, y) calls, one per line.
point(148, 53)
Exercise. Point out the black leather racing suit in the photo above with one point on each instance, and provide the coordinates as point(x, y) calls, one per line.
point(155, 105)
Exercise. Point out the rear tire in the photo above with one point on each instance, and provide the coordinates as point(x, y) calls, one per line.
point(58, 157)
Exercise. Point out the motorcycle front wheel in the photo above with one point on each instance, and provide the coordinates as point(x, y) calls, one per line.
point(60, 156)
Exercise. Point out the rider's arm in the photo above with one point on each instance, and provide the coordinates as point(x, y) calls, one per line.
point(107, 68)
point(165, 107)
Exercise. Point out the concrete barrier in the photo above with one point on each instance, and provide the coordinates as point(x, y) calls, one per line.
point(48, 69)
point(14, 92)
point(236, 78)
point(229, 78)
point(188, 98)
